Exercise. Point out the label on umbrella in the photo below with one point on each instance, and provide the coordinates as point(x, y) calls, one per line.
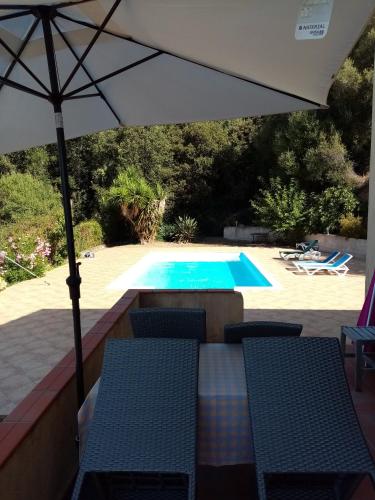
point(313, 19)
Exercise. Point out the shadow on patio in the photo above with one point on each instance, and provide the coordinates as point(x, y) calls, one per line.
point(316, 322)
point(31, 346)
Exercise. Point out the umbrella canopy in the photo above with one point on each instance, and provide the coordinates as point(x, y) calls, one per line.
point(177, 61)
point(108, 63)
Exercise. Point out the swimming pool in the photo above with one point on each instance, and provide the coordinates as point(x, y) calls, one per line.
point(193, 271)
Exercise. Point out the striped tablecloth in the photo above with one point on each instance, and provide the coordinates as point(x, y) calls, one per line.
point(224, 424)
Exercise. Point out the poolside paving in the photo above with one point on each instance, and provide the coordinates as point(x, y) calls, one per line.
point(36, 323)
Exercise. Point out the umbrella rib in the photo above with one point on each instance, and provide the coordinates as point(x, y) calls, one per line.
point(100, 93)
point(99, 30)
point(70, 4)
point(12, 6)
point(113, 73)
point(22, 6)
point(22, 88)
point(84, 96)
point(17, 59)
point(17, 14)
point(202, 65)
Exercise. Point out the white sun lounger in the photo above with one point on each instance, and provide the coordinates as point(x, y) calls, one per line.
point(339, 267)
point(328, 260)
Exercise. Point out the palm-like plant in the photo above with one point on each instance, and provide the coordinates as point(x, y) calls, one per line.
point(140, 203)
point(186, 229)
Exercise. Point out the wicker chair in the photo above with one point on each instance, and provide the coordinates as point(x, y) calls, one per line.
point(234, 334)
point(305, 432)
point(142, 443)
point(169, 323)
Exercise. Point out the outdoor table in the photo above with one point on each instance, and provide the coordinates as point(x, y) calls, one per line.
point(224, 433)
point(360, 336)
point(143, 434)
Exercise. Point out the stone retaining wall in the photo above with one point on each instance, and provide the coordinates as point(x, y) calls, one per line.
point(246, 233)
point(330, 242)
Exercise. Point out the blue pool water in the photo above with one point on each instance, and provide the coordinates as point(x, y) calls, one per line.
point(226, 274)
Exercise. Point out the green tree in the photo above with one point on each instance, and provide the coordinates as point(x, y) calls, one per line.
point(363, 52)
point(96, 160)
point(350, 111)
point(234, 178)
point(6, 165)
point(197, 152)
point(331, 206)
point(149, 149)
point(35, 161)
point(311, 153)
point(299, 133)
point(283, 208)
point(84, 162)
point(350, 100)
point(24, 196)
point(140, 203)
point(327, 164)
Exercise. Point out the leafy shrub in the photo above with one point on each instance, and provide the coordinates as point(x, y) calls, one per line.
point(24, 196)
point(40, 242)
point(331, 205)
point(32, 230)
point(57, 237)
point(47, 227)
point(352, 227)
point(186, 229)
point(31, 253)
point(166, 232)
point(6, 166)
point(141, 204)
point(327, 163)
point(283, 208)
point(87, 234)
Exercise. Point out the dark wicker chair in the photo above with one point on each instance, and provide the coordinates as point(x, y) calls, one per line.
point(307, 440)
point(169, 323)
point(234, 334)
point(142, 443)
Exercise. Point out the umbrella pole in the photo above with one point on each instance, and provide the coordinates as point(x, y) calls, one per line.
point(74, 279)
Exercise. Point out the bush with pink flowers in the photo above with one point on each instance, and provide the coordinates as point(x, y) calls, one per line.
point(29, 252)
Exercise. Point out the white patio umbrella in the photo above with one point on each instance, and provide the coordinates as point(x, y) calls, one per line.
point(109, 63)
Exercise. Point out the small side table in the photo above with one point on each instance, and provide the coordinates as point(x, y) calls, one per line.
point(359, 335)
